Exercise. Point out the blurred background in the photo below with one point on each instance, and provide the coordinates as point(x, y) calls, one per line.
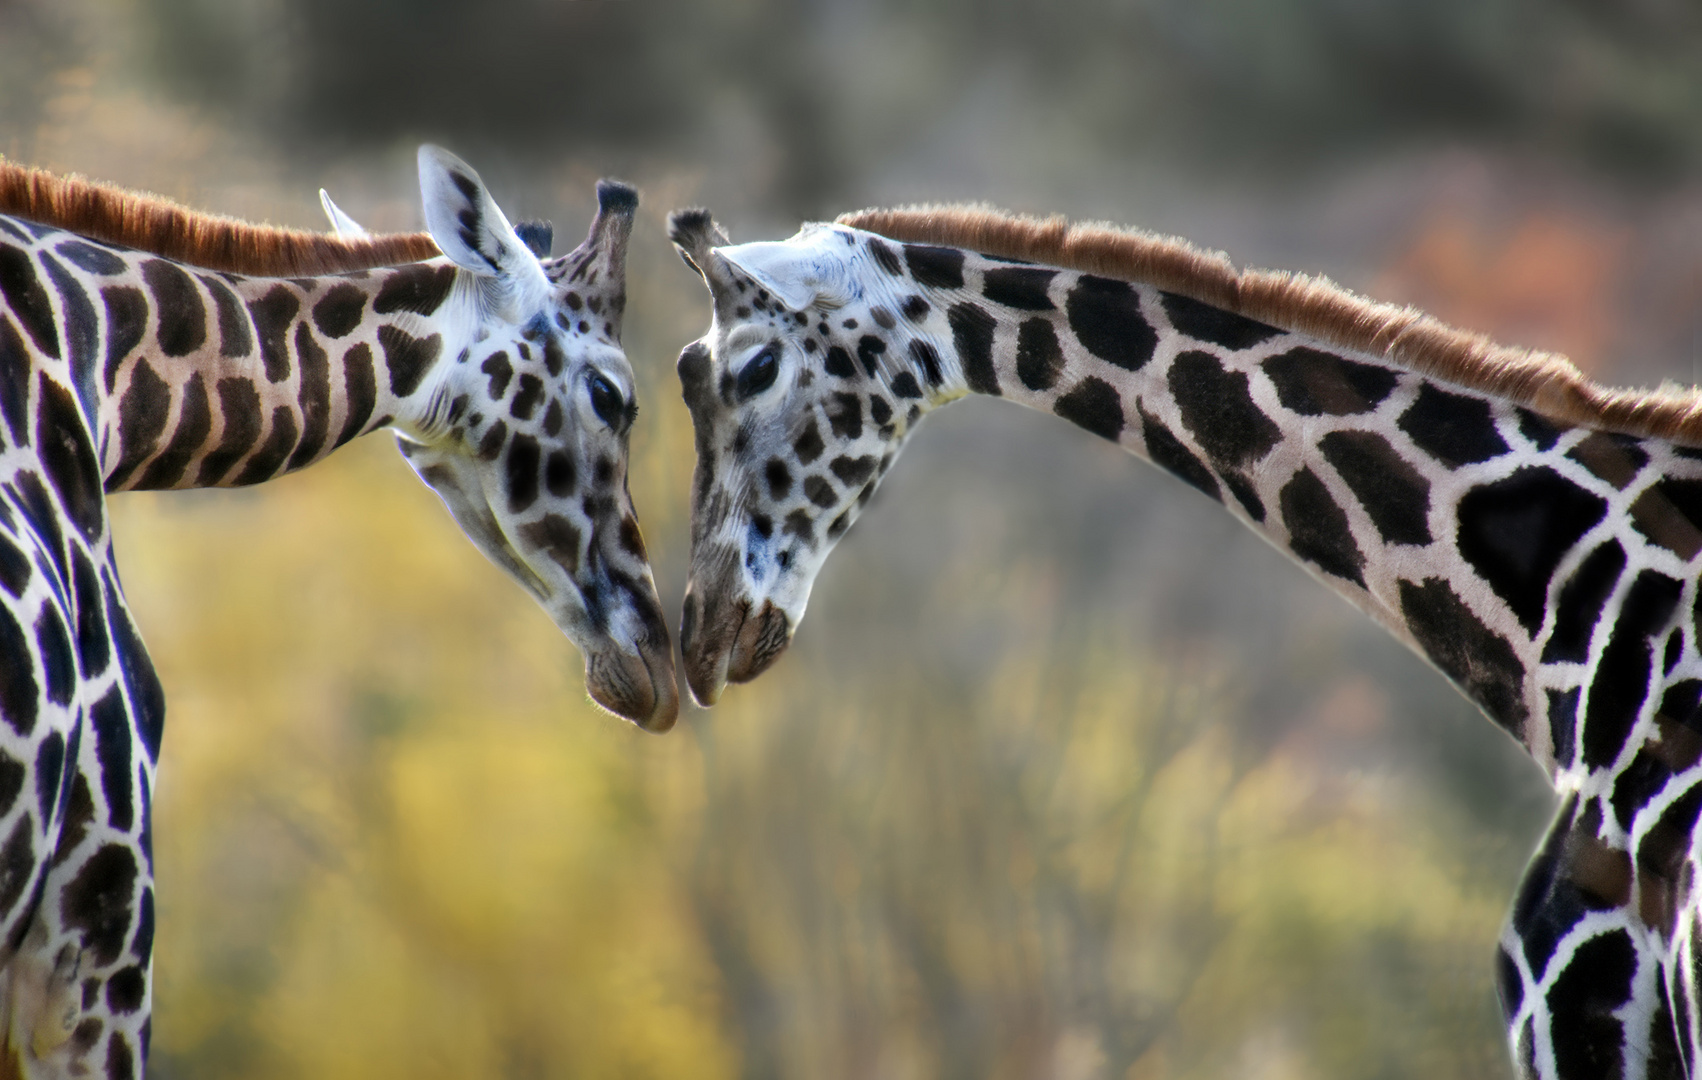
point(1066, 776)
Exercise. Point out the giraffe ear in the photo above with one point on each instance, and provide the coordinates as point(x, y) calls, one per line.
point(801, 271)
point(467, 224)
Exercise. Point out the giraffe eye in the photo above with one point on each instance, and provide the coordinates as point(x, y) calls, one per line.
point(758, 375)
point(606, 401)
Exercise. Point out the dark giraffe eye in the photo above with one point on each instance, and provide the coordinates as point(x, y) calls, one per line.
point(606, 401)
point(758, 375)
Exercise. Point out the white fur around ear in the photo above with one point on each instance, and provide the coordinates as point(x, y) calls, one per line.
point(469, 227)
point(811, 268)
point(341, 224)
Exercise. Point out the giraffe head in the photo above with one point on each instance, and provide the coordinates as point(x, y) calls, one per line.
point(522, 426)
point(801, 395)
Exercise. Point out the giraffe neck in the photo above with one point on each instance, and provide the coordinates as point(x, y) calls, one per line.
point(200, 379)
point(1543, 568)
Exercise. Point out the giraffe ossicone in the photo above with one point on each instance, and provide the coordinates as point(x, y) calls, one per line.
point(1537, 537)
point(341, 223)
point(144, 346)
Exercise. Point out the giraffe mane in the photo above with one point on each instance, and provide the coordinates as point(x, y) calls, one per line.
point(162, 227)
point(1546, 382)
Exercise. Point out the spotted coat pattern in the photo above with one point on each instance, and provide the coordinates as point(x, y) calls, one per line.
point(1550, 571)
point(123, 371)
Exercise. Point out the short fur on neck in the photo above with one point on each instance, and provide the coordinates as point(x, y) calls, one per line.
point(1548, 383)
point(157, 225)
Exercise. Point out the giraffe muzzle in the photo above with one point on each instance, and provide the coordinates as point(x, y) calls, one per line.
point(727, 641)
point(638, 686)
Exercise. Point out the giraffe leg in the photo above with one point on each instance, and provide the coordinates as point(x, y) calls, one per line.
point(1583, 981)
point(99, 905)
point(49, 688)
point(75, 991)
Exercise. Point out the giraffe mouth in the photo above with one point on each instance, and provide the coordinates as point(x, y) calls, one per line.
point(638, 686)
point(727, 642)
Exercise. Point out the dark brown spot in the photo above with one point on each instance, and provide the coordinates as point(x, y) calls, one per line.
point(194, 425)
point(808, 445)
point(935, 267)
point(1095, 405)
point(98, 903)
point(1475, 657)
point(559, 474)
point(419, 287)
point(239, 405)
point(109, 721)
point(1318, 530)
point(1452, 428)
point(142, 414)
point(800, 524)
point(838, 363)
point(314, 395)
point(1614, 458)
point(269, 459)
point(885, 257)
point(820, 492)
point(526, 397)
point(1105, 315)
point(272, 315)
point(1394, 493)
point(557, 538)
point(407, 357)
point(68, 458)
point(1207, 323)
point(1022, 287)
point(1219, 412)
point(18, 863)
point(972, 336)
point(522, 473)
point(15, 368)
point(1039, 357)
point(1312, 383)
point(1667, 513)
point(853, 472)
point(235, 337)
point(360, 386)
point(500, 371)
point(340, 310)
point(126, 322)
point(845, 415)
point(27, 299)
point(87, 1032)
point(779, 478)
point(632, 540)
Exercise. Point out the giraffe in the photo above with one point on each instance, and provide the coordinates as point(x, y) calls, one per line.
point(1535, 536)
point(143, 346)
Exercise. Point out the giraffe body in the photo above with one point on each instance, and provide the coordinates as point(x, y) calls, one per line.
point(1548, 567)
point(120, 370)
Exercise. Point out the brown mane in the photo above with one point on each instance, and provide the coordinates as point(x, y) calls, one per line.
point(162, 227)
point(1546, 382)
